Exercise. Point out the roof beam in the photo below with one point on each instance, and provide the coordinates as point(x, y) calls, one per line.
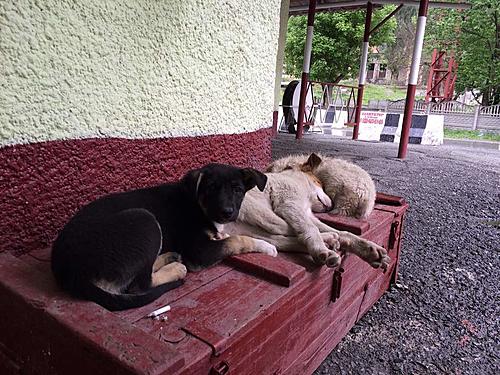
point(432, 4)
point(381, 23)
point(362, 3)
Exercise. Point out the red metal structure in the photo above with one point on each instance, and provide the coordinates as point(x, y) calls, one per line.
point(441, 79)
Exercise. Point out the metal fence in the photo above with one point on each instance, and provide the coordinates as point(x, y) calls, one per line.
point(456, 115)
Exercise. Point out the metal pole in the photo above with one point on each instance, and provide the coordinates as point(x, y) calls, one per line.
point(413, 78)
point(428, 93)
point(305, 68)
point(280, 55)
point(362, 69)
point(387, 18)
point(477, 111)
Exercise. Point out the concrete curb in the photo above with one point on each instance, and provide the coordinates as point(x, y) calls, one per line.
point(472, 143)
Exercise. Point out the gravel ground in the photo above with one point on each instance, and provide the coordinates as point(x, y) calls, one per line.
point(443, 315)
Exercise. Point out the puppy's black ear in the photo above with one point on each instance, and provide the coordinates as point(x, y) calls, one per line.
point(192, 181)
point(252, 178)
point(312, 163)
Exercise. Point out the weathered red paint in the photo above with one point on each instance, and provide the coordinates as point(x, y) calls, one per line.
point(275, 123)
point(253, 314)
point(43, 184)
point(405, 127)
point(410, 93)
point(359, 108)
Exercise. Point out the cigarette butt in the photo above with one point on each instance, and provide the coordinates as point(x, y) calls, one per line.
point(159, 311)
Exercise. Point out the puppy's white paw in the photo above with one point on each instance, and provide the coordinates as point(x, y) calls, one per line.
point(178, 269)
point(266, 248)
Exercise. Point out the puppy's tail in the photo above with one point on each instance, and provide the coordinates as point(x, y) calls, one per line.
point(115, 302)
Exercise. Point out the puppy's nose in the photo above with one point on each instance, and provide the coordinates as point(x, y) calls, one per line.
point(227, 211)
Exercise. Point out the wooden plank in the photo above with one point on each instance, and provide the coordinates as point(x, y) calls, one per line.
point(305, 315)
point(316, 351)
point(228, 306)
point(375, 289)
point(344, 223)
point(390, 200)
point(50, 332)
point(281, 321)
point(276, 270)
point(380, 228)
point(193, 281)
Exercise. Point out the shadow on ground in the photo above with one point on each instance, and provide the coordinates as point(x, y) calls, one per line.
point(443, 315)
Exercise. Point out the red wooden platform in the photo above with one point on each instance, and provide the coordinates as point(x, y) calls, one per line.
point(253, 314)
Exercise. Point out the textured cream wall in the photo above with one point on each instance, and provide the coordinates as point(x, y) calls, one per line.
point(135, 68)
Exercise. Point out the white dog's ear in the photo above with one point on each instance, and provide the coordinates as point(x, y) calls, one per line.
point(270, 168)
point(312, 163)
point(252, 178)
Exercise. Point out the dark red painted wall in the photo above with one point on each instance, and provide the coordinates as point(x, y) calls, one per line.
point(43, 184)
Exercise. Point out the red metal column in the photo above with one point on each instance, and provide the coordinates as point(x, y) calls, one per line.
point(431, 76)
point(362, 68)
point(305, 68)
point(275, 123)
point(413, 78)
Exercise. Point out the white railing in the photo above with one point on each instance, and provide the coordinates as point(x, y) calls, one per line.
point(451, 107)
point(457, 114)
point(492, 110)
point(399, 105)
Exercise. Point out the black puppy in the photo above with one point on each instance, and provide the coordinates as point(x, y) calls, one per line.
point(109, 251)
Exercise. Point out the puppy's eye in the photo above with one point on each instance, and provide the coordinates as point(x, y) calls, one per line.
point(287, 168)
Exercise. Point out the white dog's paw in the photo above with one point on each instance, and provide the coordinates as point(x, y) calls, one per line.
point(326, 256)
point(265, 247)
point(333, 260)
point(375, 255)
point(331, 240)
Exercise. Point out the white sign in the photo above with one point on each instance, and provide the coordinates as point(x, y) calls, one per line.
point(371, 125)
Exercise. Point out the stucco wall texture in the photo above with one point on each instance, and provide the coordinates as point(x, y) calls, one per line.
point(43, 184)
point(135, 69)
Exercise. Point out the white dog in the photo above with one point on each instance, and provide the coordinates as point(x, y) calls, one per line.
point(283, 215)
point(350, 187)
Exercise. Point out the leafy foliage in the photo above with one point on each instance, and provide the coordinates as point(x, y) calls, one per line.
point(474, 35)
point(336, 47)
point(398, 54)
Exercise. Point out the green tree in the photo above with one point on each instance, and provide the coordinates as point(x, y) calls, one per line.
point(336, 47)
point(474, 36)
point(398, 54)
